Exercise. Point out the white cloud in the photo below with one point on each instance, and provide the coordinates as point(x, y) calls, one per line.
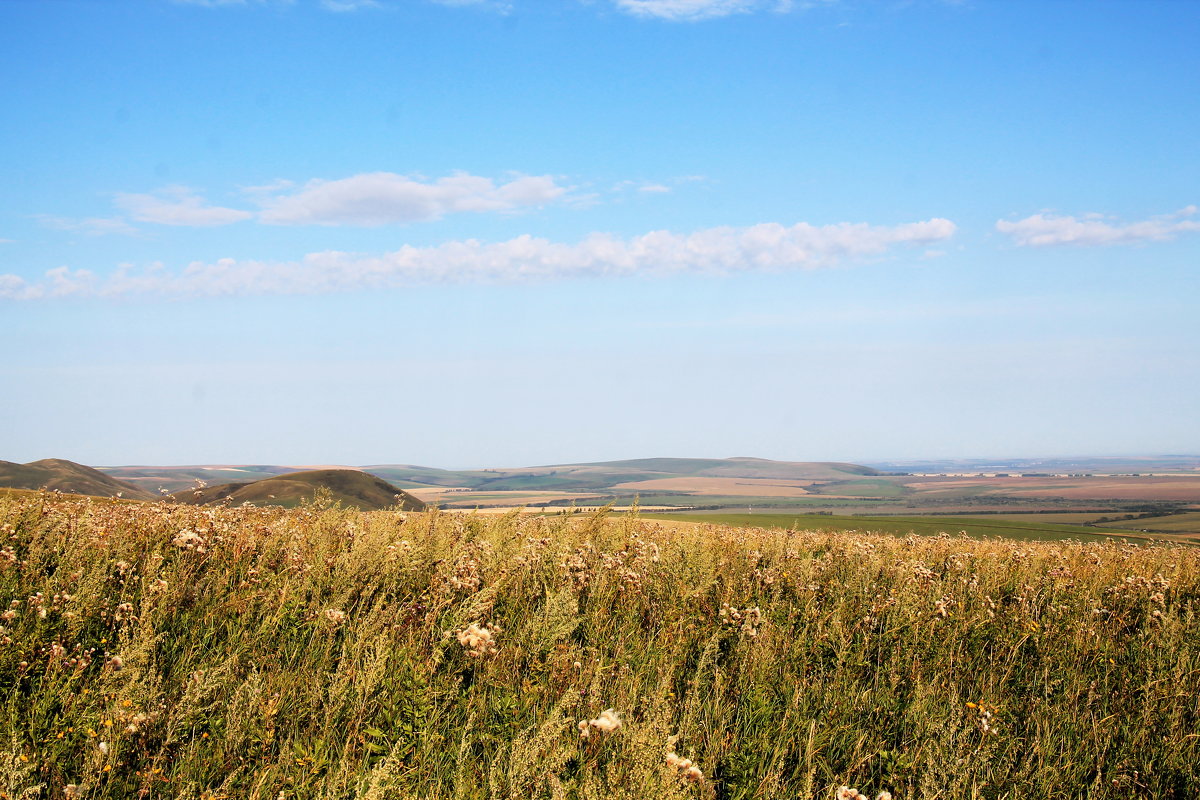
point(685, 9)
point(275, 186)
point(348, 5)
point(177, 205)
point(57, 282)
point(659, 187)
point(1044, 230)
point(369, 199)
point(723, 250)
point(91, 226)
point(691, 10)
point(212, 3)
point(383, 198)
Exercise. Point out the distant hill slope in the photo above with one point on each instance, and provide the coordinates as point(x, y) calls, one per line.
point(66, 476)
point(175, 479)
point(743, 467)
point(606, 474)
point(346, 486)
point(1096, 465)
point(598, 475)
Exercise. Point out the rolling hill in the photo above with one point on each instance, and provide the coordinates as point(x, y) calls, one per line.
point(606, 474)
point(574, 477)
point(349, 487)
point(175, 479)
point(66, 476)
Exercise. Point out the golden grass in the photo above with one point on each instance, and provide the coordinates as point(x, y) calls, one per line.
point(167, 651)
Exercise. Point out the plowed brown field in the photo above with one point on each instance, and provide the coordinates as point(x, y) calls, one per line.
point(1185, 489)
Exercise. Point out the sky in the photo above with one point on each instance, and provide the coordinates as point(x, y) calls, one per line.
point(515, 232)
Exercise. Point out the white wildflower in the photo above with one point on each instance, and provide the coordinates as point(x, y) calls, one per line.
point(478, 640)
point(607, 722)
point(189, 540)
point(685, 767)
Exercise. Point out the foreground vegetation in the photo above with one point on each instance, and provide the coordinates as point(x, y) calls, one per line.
point(158, 650)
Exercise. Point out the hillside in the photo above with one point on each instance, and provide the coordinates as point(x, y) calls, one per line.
point(349, 487)
point(66, 476)
point(740, 467)
point(174, 479)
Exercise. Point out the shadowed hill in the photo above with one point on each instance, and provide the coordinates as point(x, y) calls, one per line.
point(66, 476)
point(349, 487)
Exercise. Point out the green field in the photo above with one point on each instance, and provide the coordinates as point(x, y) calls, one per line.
point(1062, 517)
point(972, 526)
point(1188, 522)
point(736, 502)
point(878, 487)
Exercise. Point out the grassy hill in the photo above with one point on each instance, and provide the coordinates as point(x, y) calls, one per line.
point(66, 476)
point(175, 479)
point(351, 488)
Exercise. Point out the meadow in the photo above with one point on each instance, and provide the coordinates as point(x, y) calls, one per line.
point(1026, 528)
point(160, 650)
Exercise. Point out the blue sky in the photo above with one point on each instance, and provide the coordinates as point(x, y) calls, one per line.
point(470, 234)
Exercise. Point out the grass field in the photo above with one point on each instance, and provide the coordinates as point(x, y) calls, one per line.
point(165, 651)
point(879, 487)
point(1100, 487)
point(1186, 522)
point(732, 487)
point(973, 526)
point(1053, 517)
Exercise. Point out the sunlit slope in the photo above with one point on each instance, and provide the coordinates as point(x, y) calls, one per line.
point(65, 476)
point(351, 488)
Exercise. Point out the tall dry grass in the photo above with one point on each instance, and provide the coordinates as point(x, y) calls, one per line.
point(177, 652)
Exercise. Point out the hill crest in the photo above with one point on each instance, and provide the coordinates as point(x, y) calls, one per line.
point(59, 474)
point(349, 487)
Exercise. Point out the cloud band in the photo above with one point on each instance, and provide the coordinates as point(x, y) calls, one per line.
point(722, 250)
point(1046, 230)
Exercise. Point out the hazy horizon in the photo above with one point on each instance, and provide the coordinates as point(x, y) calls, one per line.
point(997, 460)
point(502, 232)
